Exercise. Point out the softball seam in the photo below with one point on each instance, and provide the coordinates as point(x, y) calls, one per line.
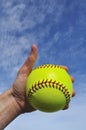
point(52, 84)
point(48, 66)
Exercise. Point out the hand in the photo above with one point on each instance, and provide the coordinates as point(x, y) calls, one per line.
point(72, 79)
point(18, 88)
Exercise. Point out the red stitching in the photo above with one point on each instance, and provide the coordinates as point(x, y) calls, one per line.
point(50, 83)
point(48, 66)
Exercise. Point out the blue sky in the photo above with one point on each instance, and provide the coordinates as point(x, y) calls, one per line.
point(58, 27)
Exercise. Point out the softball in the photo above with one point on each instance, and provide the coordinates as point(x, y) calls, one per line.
point(49, 88)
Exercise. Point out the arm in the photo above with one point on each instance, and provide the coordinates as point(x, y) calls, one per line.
point(13, 102)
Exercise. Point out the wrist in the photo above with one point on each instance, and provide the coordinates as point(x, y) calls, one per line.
point(18, 104)
point(12, 101)
point(9, 108)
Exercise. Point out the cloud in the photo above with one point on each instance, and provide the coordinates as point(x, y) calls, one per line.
point(21, 24)
point(10, 20)
point(12, 49)
point(17, 17)
point(22, 15)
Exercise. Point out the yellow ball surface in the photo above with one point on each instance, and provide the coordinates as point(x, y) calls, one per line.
point(49, 88)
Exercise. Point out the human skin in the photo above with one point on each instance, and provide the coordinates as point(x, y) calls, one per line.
point(13, 102)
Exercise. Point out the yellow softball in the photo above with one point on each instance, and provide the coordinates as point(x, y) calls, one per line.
point(49, 88)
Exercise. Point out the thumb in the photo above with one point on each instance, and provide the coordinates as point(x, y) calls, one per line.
point(30, 61)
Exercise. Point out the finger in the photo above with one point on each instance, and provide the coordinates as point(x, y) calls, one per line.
point(32, 57)
point(72, 79)
point(64, 67)
point(30, 61)
point(73, 93)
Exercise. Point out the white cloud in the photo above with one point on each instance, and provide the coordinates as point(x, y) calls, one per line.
point(26, 16)
point(12, 48)
point(12, 14)
point(18, 17)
